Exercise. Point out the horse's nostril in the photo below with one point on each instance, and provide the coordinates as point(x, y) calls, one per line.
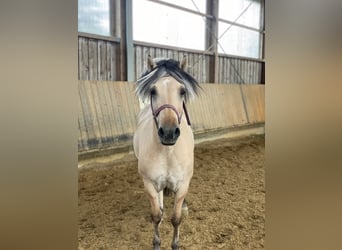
point(177, 132)
point(161, 132)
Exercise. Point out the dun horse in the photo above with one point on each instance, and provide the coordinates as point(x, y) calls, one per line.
point(163, 141)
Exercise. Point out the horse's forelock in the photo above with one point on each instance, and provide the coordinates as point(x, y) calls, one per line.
point(166, 67)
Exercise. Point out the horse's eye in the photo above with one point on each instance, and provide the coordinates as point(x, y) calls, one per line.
point(153, 92)
point(182, 92)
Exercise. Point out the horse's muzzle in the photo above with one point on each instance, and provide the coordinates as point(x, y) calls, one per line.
point(168, 135)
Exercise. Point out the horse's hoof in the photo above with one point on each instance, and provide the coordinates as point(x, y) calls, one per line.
point(156, 243)
point(175, 247)
point(156, 247)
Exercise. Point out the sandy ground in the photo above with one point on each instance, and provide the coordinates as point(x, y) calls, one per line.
point(226, 201)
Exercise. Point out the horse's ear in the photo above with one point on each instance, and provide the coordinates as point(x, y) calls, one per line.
point(184, 63)
point(150, 64)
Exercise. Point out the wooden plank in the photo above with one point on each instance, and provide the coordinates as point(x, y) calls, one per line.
point(231, 71)
point(112, 110)
point(259, 72)
point(83, 60)
point(119, 112)
point(93, 60)
point(222, 70)
point(123, 109)
point(255, 102)
point(251, 76)
point(195, 66)
point(170, 54)
point(108, 72)
point(199, 69)
point(234, 75)
point(208, 107)
point(82, 105)
point(248, 70)
point(257, 78)
point(98, 111)
point(207, 75)
point(256, 72)
point(98, 99)
point(129, 102)
point(80, 146)
point(240, 73)
point(232, 61)
point(101, 60)
point(165, 53)
point(244, 71)
point(138, 62)
point(253, 73)
point(95, 140)
point(115, 61)
point(107, 138)
point(105, 107)
point(219, 118)
point(117, 128)
point(86, 113)
point(228, 71)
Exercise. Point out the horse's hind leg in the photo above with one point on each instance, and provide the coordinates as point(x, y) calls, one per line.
point(156, 213)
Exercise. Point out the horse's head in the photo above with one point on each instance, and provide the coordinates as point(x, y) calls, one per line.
point(168, 87)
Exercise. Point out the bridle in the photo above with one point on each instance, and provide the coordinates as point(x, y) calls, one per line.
point(156, 112)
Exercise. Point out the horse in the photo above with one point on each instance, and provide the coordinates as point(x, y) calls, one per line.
point(163, 141)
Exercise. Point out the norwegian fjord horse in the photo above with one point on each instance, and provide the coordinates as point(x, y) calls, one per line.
point(163, 141)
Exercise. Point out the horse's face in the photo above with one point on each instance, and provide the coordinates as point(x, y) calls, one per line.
point(167, 97)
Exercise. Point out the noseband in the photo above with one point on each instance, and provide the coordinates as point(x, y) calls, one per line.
point(169, 106)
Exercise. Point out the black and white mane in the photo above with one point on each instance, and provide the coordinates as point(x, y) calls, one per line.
point(167, 67)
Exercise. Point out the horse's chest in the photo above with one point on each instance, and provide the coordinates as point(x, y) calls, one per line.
point(167, 174)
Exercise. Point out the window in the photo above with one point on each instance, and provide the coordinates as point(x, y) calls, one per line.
point(231, 9)
point(156, 23)
point(93, 17)
point(189, 4)
point(239, 41)
point(236, 40)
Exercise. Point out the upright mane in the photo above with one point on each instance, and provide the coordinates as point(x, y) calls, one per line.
point(167, 67)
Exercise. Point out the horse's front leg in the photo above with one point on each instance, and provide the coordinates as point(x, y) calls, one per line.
point(156, 213)
point(177, 214)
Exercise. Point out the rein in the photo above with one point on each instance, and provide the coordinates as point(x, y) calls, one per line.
point(156, 112)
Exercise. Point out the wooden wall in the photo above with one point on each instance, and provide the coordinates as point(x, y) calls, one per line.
point(198, 64)
point(99, 59)
point(239, 70)
point(108, 111)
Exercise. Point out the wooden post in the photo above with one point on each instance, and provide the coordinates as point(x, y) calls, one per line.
point(211, 36)
point(129, 41)
point(262, 40)
point(126, 43)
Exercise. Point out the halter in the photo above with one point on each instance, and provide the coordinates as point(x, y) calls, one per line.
point(156, 112)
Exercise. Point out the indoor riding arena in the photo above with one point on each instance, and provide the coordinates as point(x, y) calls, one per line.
point(226, 196)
